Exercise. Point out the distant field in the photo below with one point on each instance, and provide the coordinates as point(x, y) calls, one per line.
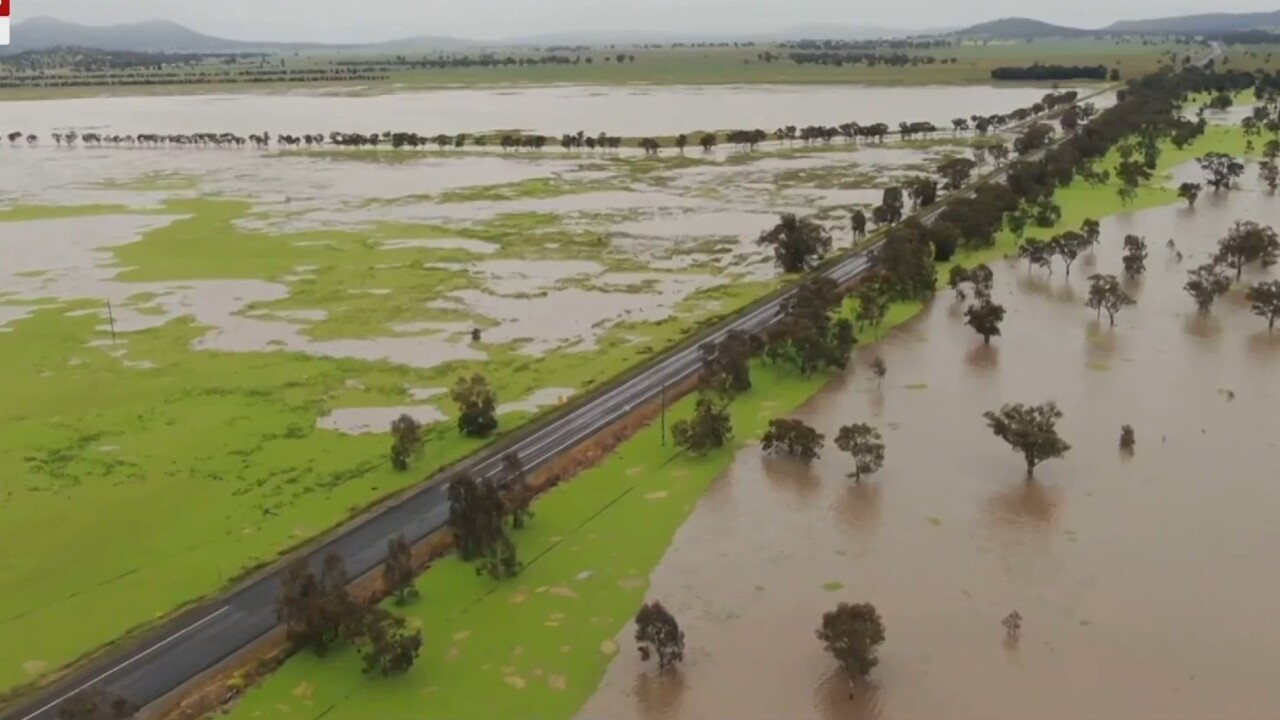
point(693, 66)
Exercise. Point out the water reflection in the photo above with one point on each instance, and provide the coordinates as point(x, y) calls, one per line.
point(858, 506)
point(837, 697)
point(659, 693)
point(792, 476)
point(1029, 505)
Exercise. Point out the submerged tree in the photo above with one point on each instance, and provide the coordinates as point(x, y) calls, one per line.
point(1127, 438)
point(1190, 192)
point(397, 571)
point(1205, 284)
point(1220, 169)
point(406, 441)
point(1037, 253)
point(1106, 294)
point(864, 444)
point(1248, 242)
point(852, 633)
point(1031, 430)
point(985, 318)
point(477, 406)
point(879, 369)
point(1068, 246)
point(956, 171)
point(1135, 256)
point(794, 438)
point(799, 244)
point(708, 429)
point(1265, 299)
point(657, 632)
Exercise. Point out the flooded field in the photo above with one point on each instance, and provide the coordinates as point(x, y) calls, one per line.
point(552, 110)
point(1145, 582)
point(234, 330)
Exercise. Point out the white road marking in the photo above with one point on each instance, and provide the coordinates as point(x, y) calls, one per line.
point(133, 659)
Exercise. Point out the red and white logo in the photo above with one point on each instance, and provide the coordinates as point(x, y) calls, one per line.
point(4, 22)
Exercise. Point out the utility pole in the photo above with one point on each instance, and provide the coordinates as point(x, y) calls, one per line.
point(112, 318)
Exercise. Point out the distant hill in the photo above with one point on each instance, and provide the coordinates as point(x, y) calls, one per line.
point(42, 33)
point(157, 35)
point(1025, 28)
point(1199, 24)
point(1018, 28)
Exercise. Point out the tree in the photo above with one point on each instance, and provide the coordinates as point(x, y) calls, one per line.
point(1105, 293)
point(1068, 246)
point(1269, 173)
point(872, 306)
point(397, 571)
point(514, 487)
point(1046, 213)
point(956, 171)
point(923, 191)
point(476, 511)
point(1017, 223)
point(387, 645)
point(1030, 430)
point(406, 441)
point(1248, 242)
point(658, 632)
point(1092, 231)
point(889, 210)
point(1038, 253)
point(500, 561)
point(852, 633)
point(1206, 284)
point(1190, 192)
point(879, 369)
point(708, 429)
point(1135, 256)
point(1265, 299)
point(477, 405)
point(316, 611)
point(793, 438)
point(728, 362)
point(864, 443)
point(859, 223)
point(799, 244)
point(980, 276)
point(1220, 169)
point(1127, 438)
point(96, 704)
point(985, 318)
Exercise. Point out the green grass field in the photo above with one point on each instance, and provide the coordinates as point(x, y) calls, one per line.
point(697, 66)
point(537, 645)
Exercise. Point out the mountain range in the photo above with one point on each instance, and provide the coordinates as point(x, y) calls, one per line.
point(1027, 28)
point(163, 35)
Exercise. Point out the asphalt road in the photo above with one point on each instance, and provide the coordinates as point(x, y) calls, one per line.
point(185, 647)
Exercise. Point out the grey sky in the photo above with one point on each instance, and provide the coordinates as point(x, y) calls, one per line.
point(367, 20)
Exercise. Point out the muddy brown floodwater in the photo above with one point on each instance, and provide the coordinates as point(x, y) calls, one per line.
point(558, 109)
point(1147, 584)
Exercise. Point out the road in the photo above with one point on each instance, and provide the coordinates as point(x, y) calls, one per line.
point(181, 649)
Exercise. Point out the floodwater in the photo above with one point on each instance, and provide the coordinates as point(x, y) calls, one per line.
point(1146, 583)
point(552, 110)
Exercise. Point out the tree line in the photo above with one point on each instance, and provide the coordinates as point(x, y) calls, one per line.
point(1036, 71)
point(870, 59)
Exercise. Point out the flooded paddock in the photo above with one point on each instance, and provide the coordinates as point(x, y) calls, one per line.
point(616, 110)
point(1145, 583)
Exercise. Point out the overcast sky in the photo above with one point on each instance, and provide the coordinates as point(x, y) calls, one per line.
point(368, 20)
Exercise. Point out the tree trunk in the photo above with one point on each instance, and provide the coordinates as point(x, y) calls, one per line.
point(1031, 465)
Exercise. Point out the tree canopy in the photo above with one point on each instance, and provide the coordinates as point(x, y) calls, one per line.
point(1031, 430)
